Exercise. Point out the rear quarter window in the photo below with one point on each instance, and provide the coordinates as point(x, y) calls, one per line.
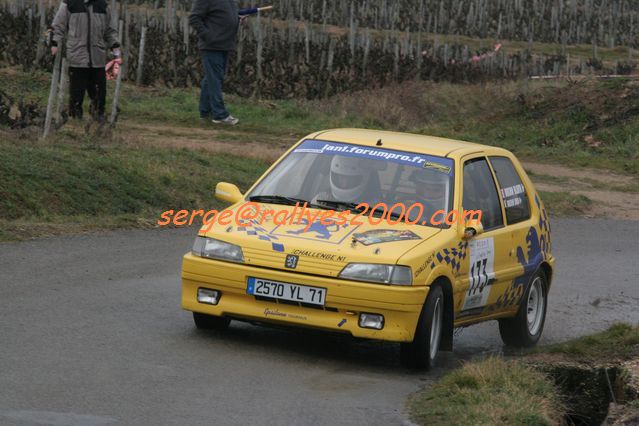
point(512, 189)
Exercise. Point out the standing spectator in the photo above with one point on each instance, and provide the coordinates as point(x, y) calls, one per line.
point(216, 23)
point(86, 24)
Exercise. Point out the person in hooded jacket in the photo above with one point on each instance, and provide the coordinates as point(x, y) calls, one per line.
point(86, 27)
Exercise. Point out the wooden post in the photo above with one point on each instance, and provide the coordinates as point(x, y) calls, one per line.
point(64, 70)
point(329, 66)
point(41, 46)
point(352, 33)
point(331, 56)
point(52, 92)
point(171, 14)
point(120, 32)
point(307, 43)
point(185, 32)
point(260, 43)
point(419, 37)
point(116, 98)
point(138, 79)
point(291, 37)
point(118, 82)
point(30, 23)
point(127, 44)
point(165, 21)
point(241, 34)
point(324, 16)
point(396, 60)
point(367, 49)
point(114, 14)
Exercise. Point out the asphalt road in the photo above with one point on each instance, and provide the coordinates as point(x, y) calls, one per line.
point(91, 332)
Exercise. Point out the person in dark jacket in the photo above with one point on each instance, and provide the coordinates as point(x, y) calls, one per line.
point(86, 26)
point(216, 23)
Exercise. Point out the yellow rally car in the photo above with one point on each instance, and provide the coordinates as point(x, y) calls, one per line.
point(408, 283)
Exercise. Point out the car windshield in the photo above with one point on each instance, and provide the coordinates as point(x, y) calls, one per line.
point(340, 175)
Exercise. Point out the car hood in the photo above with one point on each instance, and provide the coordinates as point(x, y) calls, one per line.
point(321, 249)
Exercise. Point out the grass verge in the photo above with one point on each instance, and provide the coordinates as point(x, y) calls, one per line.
point(539, 388)
point(561, 204)
point(47, 186)
point(619, 342)
point(487, 392)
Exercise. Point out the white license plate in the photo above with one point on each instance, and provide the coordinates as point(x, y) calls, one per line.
point(286, 291)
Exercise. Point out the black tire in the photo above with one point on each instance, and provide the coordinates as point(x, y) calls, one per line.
point(210, 322)
point(519, 331)
point(421, 353)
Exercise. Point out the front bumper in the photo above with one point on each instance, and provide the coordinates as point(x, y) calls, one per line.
point(345, 300)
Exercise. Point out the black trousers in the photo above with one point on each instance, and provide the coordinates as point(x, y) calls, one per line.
point(93, 82)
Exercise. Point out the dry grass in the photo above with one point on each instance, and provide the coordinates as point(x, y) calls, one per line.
point(414, 104)
point(619, 342)
point(489, 392)
point(586, 123)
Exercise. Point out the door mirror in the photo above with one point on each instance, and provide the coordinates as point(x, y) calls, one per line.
point(228, 192)
point(471, 229)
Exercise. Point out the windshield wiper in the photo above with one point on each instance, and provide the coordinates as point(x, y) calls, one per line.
point(344, 205)
point(277, 199)
point(389, 215)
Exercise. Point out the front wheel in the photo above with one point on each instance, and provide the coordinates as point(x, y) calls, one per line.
point(210, 322)
point(524, 330)
point(422, 351)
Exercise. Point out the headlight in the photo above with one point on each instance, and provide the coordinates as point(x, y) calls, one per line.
point(216, 249)
point(376, 273)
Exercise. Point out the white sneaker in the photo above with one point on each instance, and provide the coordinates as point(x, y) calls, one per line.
point(230, 120)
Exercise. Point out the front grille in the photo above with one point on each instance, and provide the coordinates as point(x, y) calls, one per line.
point(275, 260)
point(290, 302)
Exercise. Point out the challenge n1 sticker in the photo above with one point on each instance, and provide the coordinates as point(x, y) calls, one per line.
point(481, 273)
point(437, 166)
point(377, 236)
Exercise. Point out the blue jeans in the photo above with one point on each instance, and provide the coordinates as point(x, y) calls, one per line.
point(211, 98)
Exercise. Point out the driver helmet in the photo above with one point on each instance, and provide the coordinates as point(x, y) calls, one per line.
point(431, 186)
point(349, 177)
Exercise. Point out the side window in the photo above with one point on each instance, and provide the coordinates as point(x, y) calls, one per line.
point(512, 190)
point(480, 193)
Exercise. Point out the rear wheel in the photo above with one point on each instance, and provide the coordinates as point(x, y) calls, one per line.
point(422, 351)
point(210, 322)
point(524, 330)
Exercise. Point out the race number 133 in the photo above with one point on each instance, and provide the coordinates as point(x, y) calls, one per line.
point(481, 272)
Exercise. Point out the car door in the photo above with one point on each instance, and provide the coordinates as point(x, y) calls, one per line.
point(482, 278)
point(520, 224)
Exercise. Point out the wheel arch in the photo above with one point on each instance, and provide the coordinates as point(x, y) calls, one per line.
point(443, 281)
point(547, 270)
